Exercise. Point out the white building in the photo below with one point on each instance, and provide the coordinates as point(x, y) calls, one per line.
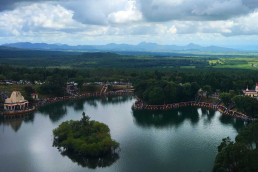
point(16, 102)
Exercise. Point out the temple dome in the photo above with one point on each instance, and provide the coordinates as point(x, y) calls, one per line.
point(16, 97)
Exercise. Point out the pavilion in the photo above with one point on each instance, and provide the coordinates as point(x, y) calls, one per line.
point(16, 102)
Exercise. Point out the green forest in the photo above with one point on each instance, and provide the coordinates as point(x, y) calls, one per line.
point(125, 60)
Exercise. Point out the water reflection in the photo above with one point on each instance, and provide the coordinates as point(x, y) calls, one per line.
point(15, 121)
point(58, 110)
point(55, 111)
point(166, 118)
point(92, 163)
point(78, 105)
point(175, 118)
point(238, 124)
point(115, 99)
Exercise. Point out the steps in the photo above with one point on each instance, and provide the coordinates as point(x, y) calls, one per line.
point(104, 89)
point(198, 98)
point(217, 102)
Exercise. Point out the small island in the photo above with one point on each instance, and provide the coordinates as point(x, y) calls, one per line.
point(85, 137)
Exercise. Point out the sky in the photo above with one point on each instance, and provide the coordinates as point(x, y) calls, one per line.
point(229, 23)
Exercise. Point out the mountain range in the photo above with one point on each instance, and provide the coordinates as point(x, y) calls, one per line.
point(143, 46)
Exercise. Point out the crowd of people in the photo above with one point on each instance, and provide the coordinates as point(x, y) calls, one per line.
point(140, 105)
point(77, 96)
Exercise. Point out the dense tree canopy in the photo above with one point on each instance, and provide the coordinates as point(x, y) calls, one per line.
point(55, 85)
point(247, 105)
point(225, 98)
point(89, 138)
point(241, 156)
point(208, 90)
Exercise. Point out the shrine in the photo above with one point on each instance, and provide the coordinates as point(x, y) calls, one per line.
point(16, 102)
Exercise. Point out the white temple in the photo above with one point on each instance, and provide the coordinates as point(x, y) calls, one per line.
point(15, 102)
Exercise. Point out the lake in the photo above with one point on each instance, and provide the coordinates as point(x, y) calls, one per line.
point(182, 140)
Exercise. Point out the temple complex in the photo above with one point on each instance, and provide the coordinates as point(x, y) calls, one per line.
point(251, 93)
point(16, 102)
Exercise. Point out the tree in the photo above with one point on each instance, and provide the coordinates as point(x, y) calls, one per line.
point(85, 119)
point(207, 89)
point(29, 90)
point(187, 90)
point(247, 105)
point(55, 85)
point(225, 142)
point(79, 80)
point(249, 136)
point(239, 156)
point(232, 93)
point(2, 77)
point(170, 92)
point(156, 96)
point(225, 98)
point(218, 91)
point(194, 89)
point(233, 157)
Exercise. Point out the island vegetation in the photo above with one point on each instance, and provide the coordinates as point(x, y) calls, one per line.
point(85, 137)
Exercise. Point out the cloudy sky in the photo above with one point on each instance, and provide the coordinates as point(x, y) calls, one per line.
point(217, 22)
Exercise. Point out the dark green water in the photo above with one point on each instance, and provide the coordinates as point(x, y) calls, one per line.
point(183, 140)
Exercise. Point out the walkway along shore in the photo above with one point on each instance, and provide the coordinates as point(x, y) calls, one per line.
point(46, 101)
point(140, 105)
point(78, 96)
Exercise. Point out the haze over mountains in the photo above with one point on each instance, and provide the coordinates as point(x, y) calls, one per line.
point(143, 46)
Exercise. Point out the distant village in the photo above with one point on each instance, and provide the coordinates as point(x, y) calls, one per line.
point(24, 82)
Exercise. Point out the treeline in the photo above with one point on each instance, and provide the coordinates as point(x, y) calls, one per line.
point(241, 156)
point(41, 74)
point(245, 104)
point(169, 87)
point(148, 83)
point(95, 60)
point(7, 52)
point(165, 92)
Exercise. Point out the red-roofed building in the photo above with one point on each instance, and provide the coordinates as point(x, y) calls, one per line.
point(35, 96)
point(251, 93)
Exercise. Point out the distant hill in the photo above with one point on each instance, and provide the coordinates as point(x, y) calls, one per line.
point(143, 46)
point(11, 52)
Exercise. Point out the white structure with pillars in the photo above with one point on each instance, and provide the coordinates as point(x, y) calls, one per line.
point(16, 102)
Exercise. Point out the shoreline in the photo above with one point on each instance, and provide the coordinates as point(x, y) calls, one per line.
point(139, 105)
point(47, 101)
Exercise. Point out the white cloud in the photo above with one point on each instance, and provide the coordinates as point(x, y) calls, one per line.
point(112, 20)
point(244, 25)
point(94, 12)
point(172, 29)
point(126, 16)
